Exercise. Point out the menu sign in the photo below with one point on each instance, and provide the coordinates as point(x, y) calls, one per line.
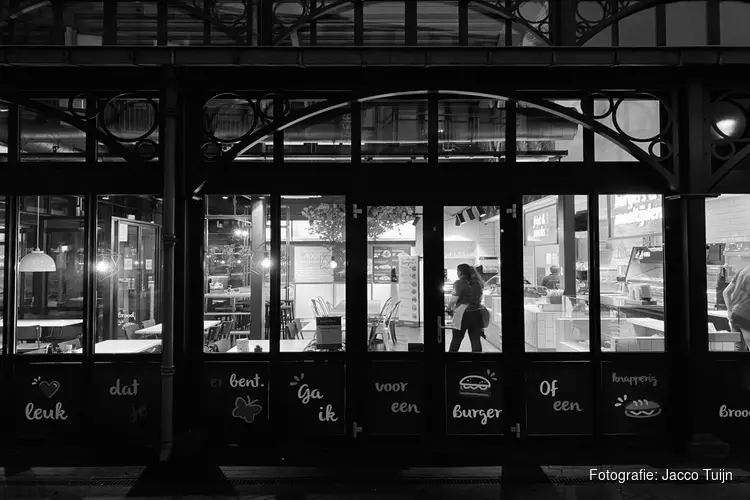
point(49, 397)
point(635, 214)
point(559, 398)
point(312, 264)
point(634, 397)
point(315, 399)
point(127, 398)
point(235, 399)
point(385, 263)
point(474, 398)
point(408, 290)
point(540, 226)
point(729, 400)
point(395, 403)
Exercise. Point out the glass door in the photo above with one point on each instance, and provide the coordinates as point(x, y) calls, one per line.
point(136, 287)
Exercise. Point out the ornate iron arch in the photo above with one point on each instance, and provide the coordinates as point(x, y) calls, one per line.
point(309, 15)
point(618, 137)
point(586, 29)
point(101, 136)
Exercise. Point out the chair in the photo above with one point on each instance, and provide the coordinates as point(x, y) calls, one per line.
point(29, 333)
point(69, 332)
point(298, 325)
point(315, 308)
point(149, 323)
point(129, 330)
point(323, 304)
point(390, 322)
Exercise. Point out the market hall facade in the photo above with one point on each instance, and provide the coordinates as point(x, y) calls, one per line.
point(235, 227)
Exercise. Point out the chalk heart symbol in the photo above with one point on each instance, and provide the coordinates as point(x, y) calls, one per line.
point(49, 389)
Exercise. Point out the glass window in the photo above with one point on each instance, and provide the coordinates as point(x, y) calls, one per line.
point(631, 258)
point(313, 273)
point(237, 274)
point(395, 312)
point(471, 246)
point(639, 119)
point(50, 278)
point(686, 23)
point(395, 130)
point(325, 138)
point(727, 262)
point(486, 26)
point(128, 274)
point(437, 23)
point(384, 23)
point(638, 30)
point(734, 15)
point(46, 138)
point(228, 118)
point(542, 136)
point(471, 130)
point(133, 121)
point(555, 264)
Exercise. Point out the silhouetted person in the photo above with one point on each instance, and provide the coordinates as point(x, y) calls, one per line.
point(737, 298)
point(552, 280)
point(467, 291)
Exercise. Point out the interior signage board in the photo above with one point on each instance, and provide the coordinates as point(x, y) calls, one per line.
point(559, 399)
point(634, 397)
point(235, 399)
point(728, 395)
point(48, 400)
point(474, 398)
point(635, 214)
point(315, 397)
point(395, 399)
point(540, 226)
point(127, 400)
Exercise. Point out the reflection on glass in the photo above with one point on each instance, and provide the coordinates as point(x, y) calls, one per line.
point(50, 276)
point(542, 136)
point(555, 263)
point(631, 254)
point(128, 275)
point(313, 273)
point(237, 274)
point(727, 263)
point(471, 130)
point(486, 27)
point(45, 138)
point(437, 23)
point(638, 119)
point(394, 275)
point(227, 118)
point(394, 130)
point(686, 24)
point(134, 122)
point(733, 28)
point(325, 138)
point(384, 23)
point(471, 274)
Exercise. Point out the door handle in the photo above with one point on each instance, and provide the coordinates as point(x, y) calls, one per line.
point(440, 329)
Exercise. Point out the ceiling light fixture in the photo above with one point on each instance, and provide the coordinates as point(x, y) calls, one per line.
point(416, 220)
point(37, 261)
point(460, 219)
point(470, 213)
point(481, 212)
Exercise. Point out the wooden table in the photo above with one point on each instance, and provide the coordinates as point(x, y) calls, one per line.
point(124, 346)
point(156, 329)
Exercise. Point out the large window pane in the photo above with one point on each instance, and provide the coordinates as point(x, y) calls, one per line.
point(555, 263)
point(313, 273)
point(631, 253)
point(237, 274)
point(47, 138)
point(471, 130)
point(639, 119)
point(50, 274)
point(686, 23)
point(325, 138)
point(384, 23)
point(542, 136)
point(395, 313)
point(734, 15)
point(727, 262)
point(472, 276)
point(128, 274)
point(437, 23)
point(395, 130)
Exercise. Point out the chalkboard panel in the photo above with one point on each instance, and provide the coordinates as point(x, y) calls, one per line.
point(474, 398)
point(48, 399)
point(728, 397)
point(235, 400)
point(127, 400)
point(316, 403)
point(395, 399)
point(634, 397)
point(559, 398)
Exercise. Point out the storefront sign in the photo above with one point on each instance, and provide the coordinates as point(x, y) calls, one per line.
point(474, 398)
point(635, 214)
point(127, 398)
point(395, 403)
point(408, 290)
point(559, 399)
point(312, 264)
point(540, 226)
point(728, 393)
point(235, 402)
point(634, 397)
point(315, 397)
point(49, 399)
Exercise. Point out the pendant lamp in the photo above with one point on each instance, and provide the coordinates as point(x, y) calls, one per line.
point(37, 261)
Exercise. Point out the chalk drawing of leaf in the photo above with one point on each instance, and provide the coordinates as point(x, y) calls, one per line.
point(622, 400)
point(297, 380)
point(36, 380)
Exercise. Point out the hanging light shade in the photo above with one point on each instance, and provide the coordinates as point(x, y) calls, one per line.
point(37, 261)
point(460, 219)
point(480, 211)
point(470, 213)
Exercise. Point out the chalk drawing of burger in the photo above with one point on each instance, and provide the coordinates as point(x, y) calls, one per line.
point(474, 386)
point(639, 408)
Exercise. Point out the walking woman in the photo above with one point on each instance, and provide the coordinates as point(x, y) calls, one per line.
point(466, 303)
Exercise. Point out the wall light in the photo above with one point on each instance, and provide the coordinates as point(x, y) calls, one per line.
point(334, 264)
point(266, 263)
